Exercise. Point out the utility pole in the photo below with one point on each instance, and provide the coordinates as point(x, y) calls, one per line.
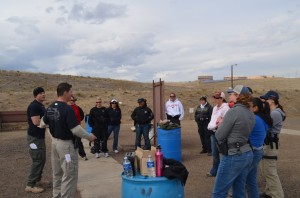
point(232, 75)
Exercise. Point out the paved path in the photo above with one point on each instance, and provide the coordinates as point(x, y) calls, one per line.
point(99, 177)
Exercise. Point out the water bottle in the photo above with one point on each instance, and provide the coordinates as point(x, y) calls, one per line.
point(159, 161)
point(150, 166)
point(127, 168)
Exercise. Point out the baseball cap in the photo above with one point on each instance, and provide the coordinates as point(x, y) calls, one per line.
point(113, 101)
point(203, 98)
point(219, 94)
point(141, 100)
point(239, 89)
point(270, 94)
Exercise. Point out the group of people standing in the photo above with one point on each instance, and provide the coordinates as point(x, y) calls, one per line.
point(63, 118)
point(104, 121)
point(245, 133)
point(245, 130)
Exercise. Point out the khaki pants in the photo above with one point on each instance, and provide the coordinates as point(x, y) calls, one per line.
point(65, 172)
point(269, 171)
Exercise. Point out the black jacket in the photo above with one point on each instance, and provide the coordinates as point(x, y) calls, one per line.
point(98, 117)
point(115, 116)
point(202, 116)
point(142, 115)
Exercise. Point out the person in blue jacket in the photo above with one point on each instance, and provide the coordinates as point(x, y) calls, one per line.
point(263, 122)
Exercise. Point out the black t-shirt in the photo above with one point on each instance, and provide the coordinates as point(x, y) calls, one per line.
point(35, 108)
point(61, 119)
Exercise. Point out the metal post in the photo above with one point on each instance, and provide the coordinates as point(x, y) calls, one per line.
point(232, 74)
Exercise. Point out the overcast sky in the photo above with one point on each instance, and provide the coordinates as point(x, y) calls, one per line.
point(145, 40)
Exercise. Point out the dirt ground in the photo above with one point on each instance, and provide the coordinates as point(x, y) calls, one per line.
point(15, 162)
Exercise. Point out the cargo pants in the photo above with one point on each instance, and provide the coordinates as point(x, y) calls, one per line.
point(38, 157)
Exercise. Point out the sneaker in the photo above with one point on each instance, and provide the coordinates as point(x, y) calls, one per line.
point(116, 151)
point(85, 158)
point(33, 189)
point(97, 155)
point(43, 183)
point(106, 155)
point(203, 151)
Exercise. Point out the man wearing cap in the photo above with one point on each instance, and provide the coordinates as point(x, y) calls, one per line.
point(142, 116)
point(174, 109)
point(273, 186)
point(36, 141)
point(202, 117)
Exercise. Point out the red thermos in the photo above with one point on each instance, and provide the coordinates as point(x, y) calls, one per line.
point(159, 161)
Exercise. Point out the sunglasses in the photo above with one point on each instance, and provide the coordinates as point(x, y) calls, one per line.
point(98, 102)
point(172, 96)
point(217, 97)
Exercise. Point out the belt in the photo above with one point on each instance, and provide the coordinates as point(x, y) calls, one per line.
point(236, 145)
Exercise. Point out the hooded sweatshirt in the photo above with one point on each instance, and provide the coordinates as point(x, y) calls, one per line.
point(174, 108)
point(217, 112)
point(278, 116)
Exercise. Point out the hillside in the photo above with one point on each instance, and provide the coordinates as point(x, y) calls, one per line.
point(16, 91)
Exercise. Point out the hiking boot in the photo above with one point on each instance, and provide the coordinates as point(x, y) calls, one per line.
point(264, 195)
point(33, 189)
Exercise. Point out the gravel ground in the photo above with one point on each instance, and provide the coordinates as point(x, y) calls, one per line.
point(15, 162)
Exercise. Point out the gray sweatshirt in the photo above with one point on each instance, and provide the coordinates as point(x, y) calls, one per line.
point(277, 116)
point(236, 127)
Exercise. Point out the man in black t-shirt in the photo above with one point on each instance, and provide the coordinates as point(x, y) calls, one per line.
point(63, 126)
point(36, 141)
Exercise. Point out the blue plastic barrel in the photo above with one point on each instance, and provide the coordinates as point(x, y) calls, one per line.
point(87, 126)
point(170, 142)
point(157, 187)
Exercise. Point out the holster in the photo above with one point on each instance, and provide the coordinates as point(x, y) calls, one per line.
point(223, 147)
point(269, 140)
point(75, 142)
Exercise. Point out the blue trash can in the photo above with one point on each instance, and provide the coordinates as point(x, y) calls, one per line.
point(87, 126)
point(151, 187)
point(170, 142)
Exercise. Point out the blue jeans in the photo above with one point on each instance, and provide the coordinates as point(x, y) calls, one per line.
point(216, 155)
point(116, 130)
point(232, 172)
point(142, 129)
point(252, 186)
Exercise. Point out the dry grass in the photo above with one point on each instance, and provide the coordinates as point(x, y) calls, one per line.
point(16, 91)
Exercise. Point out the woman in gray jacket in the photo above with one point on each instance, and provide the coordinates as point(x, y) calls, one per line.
point(232, 136)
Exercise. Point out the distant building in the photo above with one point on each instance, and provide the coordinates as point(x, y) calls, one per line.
point(205, 78)
point(236, 78)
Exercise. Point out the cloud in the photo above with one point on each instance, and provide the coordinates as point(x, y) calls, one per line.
point(97, 15)
point(24, 26)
